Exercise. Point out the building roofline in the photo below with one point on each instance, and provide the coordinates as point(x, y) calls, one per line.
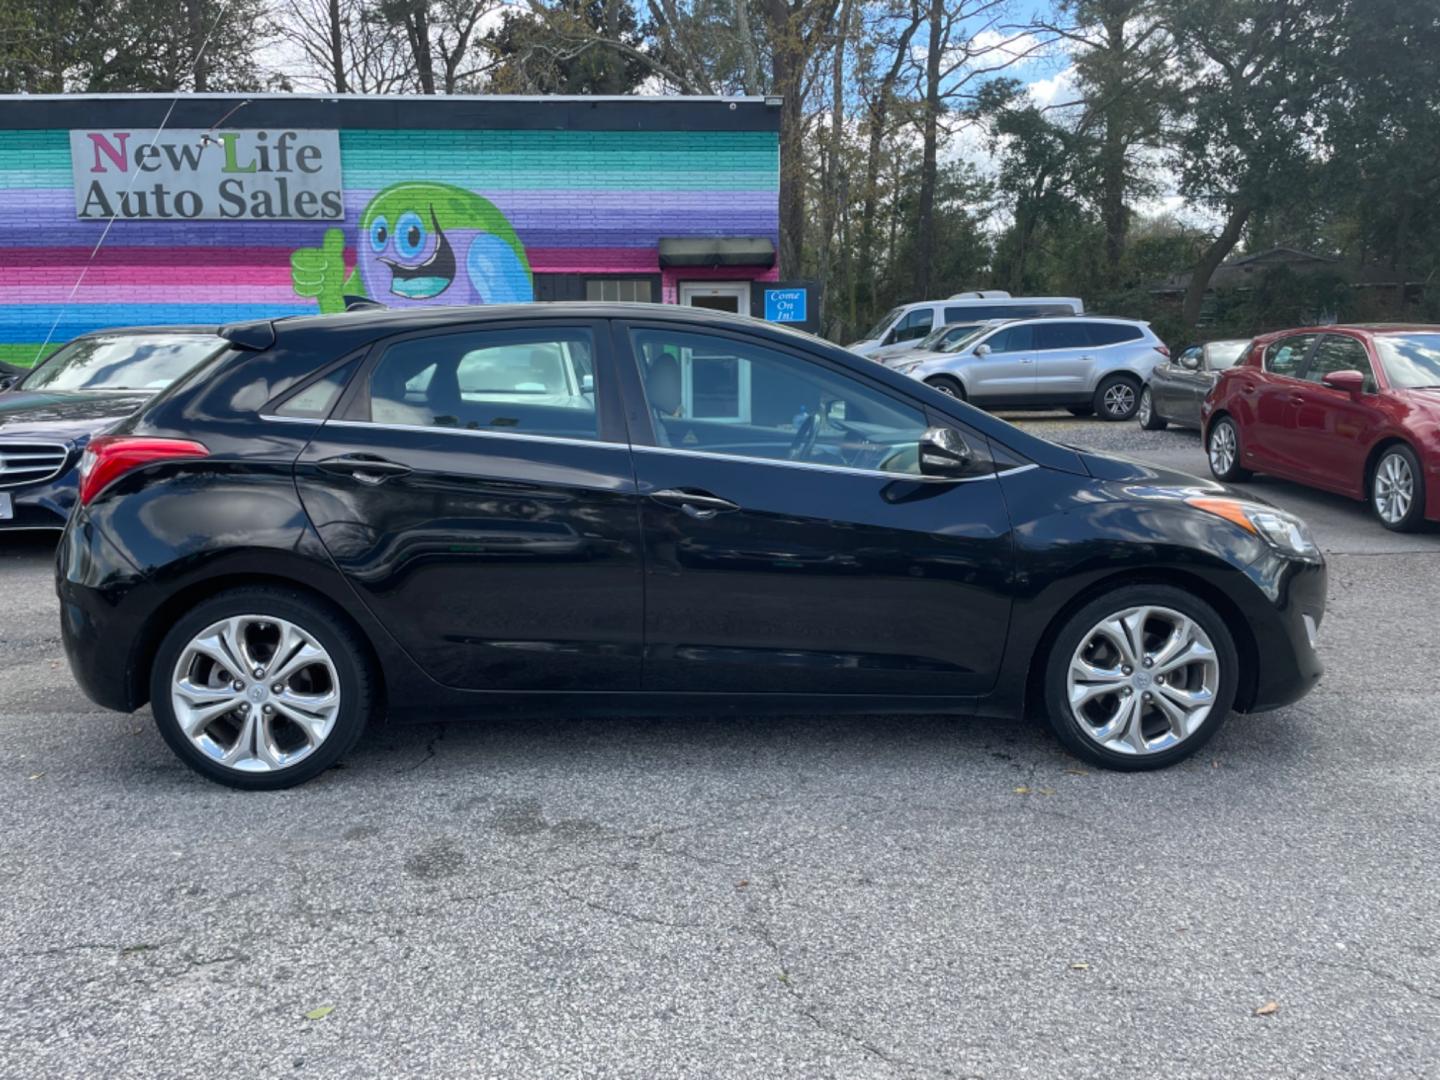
point(546, 112)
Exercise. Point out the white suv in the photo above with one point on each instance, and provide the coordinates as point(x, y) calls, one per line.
point(1085, 364)
point(908, 323)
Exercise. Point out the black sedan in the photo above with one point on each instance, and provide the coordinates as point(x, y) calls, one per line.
point(1177, 387)
point(49, 414)
point(419, 512)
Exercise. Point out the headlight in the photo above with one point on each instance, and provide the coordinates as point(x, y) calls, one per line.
point(1282, 531)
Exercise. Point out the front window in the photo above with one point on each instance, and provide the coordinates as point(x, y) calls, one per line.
point(1338, 353)
point(148, 362)
point(1411, 361)
point(964, 340)
point(876, 331)
point(770, 404)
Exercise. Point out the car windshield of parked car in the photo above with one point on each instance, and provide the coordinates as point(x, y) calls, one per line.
point(879, 328)
point(967, 339)
point(123, 362)
point(1224, 354)
point(1411, 360)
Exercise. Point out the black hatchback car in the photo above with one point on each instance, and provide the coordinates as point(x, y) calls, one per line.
point(565, 506)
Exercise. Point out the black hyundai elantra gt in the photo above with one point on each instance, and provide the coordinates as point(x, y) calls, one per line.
point(567, 506)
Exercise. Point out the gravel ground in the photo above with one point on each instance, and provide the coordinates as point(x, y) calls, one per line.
point(798, 897)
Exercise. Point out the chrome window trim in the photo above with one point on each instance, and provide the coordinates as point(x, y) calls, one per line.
point(846, 469)
point(484, 433)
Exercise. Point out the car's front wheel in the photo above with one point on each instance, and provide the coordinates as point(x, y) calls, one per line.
point(1397, 489)
point(261, 688)
point(1141, 677)
point(1117, 397)
point(947, 385)
point(1149, 419)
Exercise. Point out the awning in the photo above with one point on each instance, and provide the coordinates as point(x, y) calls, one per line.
point(717, 251)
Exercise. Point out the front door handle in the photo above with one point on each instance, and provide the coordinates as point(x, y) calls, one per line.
point(367, 468)
point(698, 504)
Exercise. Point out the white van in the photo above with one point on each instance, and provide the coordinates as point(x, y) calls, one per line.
point(910, 322)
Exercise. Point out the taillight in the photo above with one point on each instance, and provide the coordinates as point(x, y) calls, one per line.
point(109, 457)
point(1163, 350)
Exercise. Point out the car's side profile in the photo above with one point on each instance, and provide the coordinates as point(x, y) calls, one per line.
point(1350, 409)
point(1177, 387)
point(295, 538)
point(1086, 364)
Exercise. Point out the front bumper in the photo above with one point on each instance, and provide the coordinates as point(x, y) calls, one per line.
point(1284, 626)
point(45, 505)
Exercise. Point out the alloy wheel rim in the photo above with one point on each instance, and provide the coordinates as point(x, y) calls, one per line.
point(946, 389)
point(1145, 407)
point(1394, 488)
point(1143, 680)
point(1222, 448)
point(1119, 399)
point(255, 693)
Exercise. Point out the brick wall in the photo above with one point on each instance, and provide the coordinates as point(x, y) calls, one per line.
point(573, 202)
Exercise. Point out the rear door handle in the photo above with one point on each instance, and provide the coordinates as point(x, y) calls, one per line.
point(367, 468)
point(698, 504)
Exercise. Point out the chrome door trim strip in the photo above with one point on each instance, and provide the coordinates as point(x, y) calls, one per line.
point(844, 469)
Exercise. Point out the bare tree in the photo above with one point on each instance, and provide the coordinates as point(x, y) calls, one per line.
point(345, 46)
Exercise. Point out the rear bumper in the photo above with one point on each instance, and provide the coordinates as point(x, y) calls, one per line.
point(97, 589)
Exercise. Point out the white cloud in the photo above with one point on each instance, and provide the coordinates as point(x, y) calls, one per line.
point(1056, 90)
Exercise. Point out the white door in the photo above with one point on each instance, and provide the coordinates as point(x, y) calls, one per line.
point(715, 387)
point(717, 295)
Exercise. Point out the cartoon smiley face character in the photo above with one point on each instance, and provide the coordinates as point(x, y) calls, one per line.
point(421, 243)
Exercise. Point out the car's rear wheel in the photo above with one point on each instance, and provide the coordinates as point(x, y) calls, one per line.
point(1222, 447)
point(947, 385)
point(1117, 397)
point(1141, 677)
point(261, 688)
point(1149, 419)
point(1397, 489)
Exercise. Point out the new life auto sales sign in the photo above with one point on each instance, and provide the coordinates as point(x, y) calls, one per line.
point(136, 174)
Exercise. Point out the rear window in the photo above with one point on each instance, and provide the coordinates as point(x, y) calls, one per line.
point(1285, 356)
point(1113, 333)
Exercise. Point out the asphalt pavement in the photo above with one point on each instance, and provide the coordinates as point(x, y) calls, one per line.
point(798, 897)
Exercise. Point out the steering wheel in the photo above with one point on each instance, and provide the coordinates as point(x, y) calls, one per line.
point(804, 440)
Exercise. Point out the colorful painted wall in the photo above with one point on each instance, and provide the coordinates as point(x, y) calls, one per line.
point(467, 215)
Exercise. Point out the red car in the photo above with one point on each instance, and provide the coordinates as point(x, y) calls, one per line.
point(1351, 409)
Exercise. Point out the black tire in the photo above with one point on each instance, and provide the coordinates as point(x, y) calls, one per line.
point(1117, 397)
point(947, 385)
point(1150, 420)
point(354, 677)
point(1235, 473)
point(1056, 692)
point(1380, 481)
point(1080, 410)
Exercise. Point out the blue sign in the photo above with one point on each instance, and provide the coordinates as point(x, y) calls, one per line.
point(785, 305)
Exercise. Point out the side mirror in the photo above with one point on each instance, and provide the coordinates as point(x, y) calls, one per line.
point(1190, 362)
point(944, 452)
point(982, 349)
point(587, 384)
point(7, 381)
point(1352, 382)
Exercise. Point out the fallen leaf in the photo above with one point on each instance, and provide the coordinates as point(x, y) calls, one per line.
point(742, 884)
point(320, 1013)
point(1077, 772)
point(1022, 791)
point(1079, 965)
point(36, 776)
point(1047, 791)
point(1270, 1008)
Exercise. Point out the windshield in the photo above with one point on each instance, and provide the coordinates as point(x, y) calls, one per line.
point(1224, 354)
point(1411, 360)
point(879, 328)
point(968, 339)
point(123, 362)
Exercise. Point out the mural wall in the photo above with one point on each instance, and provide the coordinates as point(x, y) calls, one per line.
point(431, 216)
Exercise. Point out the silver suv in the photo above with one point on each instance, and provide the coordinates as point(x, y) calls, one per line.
point(1085, 364)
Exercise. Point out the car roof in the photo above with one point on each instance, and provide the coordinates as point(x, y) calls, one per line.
point(127, 331)
point(1358, 328)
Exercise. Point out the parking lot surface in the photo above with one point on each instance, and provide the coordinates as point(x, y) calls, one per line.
point(747, 897)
